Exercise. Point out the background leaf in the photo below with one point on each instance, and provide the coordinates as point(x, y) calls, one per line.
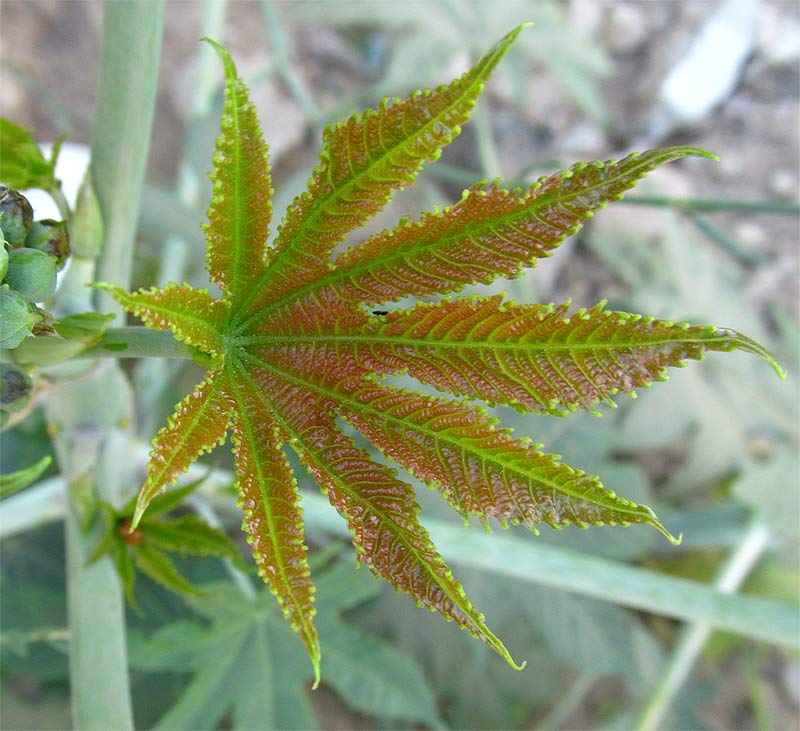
point(22, 164)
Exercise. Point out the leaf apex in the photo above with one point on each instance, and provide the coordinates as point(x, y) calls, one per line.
point(225, 57)
point(141, 506)
point(661, 528)
point(316, 656)
point(702, 152)
point(739, 341)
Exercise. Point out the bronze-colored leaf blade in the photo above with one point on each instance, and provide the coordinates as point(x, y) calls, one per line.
point(380, 510)
point(193, 315)
point(455, 447)
point(199, 423)
point(239, 215)
point(539, 358)
point(269, 499)
point(490, 232)
point(363, 161)
point(481, 470)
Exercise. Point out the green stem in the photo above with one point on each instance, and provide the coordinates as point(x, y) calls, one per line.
point(693, 638)
point(152, 377)
point(710, 205)
point(462, 176)
point(487, 148)
point(571, 700)
point(129, 63)
point(282, 55)
point(138, 342)
point(92, 415)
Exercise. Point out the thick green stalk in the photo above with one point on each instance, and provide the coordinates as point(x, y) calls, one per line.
point(138, 342)
point(152, 377)
point(92, 415)
point(130, 57)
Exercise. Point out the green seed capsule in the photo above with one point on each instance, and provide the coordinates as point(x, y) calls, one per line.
point(16, 216)
point(16, 388)
point(51, 237)
point(32, 273)
point(17, 317)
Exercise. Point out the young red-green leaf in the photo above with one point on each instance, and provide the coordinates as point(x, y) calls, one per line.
point(481, 470)
point(490, 232)
point(363, 161)
point(270, 502)
point(380, 510)
point(296, 348)
point(538, 358)
point(193, 315)
point(199, 424)
point(240, 211)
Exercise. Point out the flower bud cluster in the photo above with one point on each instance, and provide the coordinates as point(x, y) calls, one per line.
point(31, 255)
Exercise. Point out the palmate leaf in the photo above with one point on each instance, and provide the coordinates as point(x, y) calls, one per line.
point(295, 348)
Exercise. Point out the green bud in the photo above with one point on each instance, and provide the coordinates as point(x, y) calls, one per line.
point(16, 388)
point(17, 317)
point(16, 216)
point(3, 258)
point(51, 237)
point(32, 273)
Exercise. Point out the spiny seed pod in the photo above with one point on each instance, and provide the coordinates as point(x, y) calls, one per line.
point(51, 237)
point(16, 216)
point(32, 273)
point(16, 388)
point(17, 317)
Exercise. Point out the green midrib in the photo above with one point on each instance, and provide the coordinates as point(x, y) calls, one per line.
point(392, 341)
